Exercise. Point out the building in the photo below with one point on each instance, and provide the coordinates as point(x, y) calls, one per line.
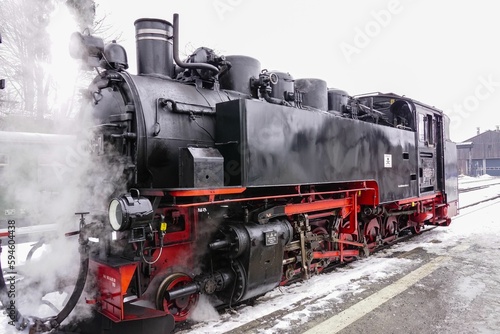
point(480, 154)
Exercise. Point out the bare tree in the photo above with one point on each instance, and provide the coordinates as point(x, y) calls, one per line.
point(26, 51)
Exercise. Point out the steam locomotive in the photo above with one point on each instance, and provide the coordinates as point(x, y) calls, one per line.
point(235, 180)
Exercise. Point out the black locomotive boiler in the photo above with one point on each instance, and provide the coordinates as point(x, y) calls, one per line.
point(236, 180)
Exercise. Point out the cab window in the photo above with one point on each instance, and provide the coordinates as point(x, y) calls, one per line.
point(421, 127)
point(426, 129)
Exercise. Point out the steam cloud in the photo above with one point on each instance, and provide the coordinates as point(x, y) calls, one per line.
point(48, 181)
point(204, 311)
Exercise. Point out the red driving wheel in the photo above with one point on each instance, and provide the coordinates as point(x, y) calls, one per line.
point(181, 307)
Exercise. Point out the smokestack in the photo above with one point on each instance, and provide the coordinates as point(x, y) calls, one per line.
point(498, 128)
point(154, 47)
point(478, 130)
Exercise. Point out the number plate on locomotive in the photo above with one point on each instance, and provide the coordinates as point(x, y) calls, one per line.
point(271, 238)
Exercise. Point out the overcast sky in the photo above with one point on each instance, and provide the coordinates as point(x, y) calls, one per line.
point(443, 53)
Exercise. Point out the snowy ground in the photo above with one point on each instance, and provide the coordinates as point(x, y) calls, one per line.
point(336, 286)
point(466, 182)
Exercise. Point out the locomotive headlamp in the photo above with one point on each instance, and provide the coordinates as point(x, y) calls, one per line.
point(126, 211)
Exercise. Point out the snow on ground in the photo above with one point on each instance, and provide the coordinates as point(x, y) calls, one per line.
point(464, 179)
point(352, 279)
point(476, 195)
point(328, 287)
point(466, 182)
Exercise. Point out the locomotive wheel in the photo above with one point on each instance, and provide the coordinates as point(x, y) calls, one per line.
point(416, 229)
point(372, 230)
point(323, 245)
point(390, 226)
point(180, 307)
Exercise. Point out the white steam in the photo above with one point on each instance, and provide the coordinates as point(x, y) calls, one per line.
point(82, 184)
point(64, 71)
point(49, 182)
point(204, 311)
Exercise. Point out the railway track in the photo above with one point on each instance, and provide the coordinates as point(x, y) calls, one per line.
point(479, 202)
point(251, 326)
point(254, 325)
point(484, 186)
